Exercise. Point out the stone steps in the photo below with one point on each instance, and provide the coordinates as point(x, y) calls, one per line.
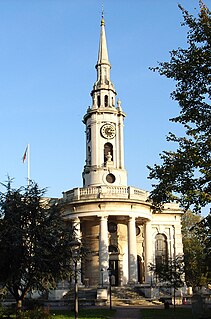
point(86, 296)
point(120, 296)
point(127, 293)
point(128, 296)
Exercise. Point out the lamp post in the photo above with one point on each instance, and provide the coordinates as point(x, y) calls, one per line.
point(76, 290)
point(75, 255)
point(109, 275)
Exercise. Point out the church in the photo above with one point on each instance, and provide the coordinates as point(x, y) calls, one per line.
point(117, 222)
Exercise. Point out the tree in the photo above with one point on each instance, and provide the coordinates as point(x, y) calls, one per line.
point(170, 273)
point(185, 174)
point(35, 242)
point(195, 254)
point(202, 231)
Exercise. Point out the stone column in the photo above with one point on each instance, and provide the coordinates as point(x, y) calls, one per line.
point(103, 251)
point(132, 251)
point(148, 250)
point(77, 229)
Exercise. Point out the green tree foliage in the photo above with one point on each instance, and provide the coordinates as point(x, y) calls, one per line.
point(202, 230)
point(195, 254)
point(185, 174)
point(170, 273)
point(35, 242)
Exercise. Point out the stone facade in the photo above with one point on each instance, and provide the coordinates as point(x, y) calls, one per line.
point(116, 222)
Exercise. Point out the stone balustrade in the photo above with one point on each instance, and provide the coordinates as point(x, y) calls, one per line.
point(104, 192)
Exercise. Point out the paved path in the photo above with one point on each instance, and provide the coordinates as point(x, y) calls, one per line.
point(127, 313)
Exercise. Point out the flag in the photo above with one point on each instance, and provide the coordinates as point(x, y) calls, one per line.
point(25, 154)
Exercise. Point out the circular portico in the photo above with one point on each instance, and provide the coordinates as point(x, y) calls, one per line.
point(113, 223)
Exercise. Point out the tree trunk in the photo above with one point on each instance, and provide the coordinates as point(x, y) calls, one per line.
point(174, 298)
point(19, 309)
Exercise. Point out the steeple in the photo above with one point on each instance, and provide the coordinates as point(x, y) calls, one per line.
point(103, 92)
point(104, 127)
point(103, 51)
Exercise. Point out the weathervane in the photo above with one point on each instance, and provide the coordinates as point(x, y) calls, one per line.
point(102, 20)
point(102, 9)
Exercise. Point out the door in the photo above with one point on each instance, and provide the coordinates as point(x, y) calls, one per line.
point(140, 269)
point(113, 265)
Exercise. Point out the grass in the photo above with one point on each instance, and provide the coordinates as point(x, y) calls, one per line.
point(180, 313)
point(145, 313)
point(103, 313)
point(84, 313)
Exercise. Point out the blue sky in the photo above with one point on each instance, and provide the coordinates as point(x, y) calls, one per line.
point(48, 52)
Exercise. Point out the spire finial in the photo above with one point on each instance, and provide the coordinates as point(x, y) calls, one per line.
point(103, 51)
point(102, 20)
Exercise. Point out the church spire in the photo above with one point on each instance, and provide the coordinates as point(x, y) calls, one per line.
point(103, 93)
point(103, 51)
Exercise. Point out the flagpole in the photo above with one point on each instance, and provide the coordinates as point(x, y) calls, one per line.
point(28, 164)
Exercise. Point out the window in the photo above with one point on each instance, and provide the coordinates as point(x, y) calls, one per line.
point(110, 178)
point(106, 100)
point(161, 251)
point(98, 101)
point(138, 230)
point(89, 156)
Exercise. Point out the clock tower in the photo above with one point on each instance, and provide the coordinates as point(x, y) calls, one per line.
point(104, 128)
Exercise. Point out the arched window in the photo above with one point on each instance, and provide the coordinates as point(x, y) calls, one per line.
point(161, 250)
point(106, 100)
point(98, 100)
point(108, 151)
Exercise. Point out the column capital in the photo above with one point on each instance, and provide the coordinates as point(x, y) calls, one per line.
point(105, 217)
point(76, 220)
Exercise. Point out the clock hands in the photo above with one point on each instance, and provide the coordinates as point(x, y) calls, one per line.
point(108, 131)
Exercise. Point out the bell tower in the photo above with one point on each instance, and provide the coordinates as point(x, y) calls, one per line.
point(104, 128)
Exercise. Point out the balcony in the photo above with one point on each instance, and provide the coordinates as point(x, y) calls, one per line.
point(106, 192)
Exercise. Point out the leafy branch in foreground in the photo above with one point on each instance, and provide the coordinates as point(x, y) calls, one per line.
point(185, 174)
point(196, 238)
point(169, 273)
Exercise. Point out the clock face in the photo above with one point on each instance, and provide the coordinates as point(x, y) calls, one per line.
point(108, 131)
